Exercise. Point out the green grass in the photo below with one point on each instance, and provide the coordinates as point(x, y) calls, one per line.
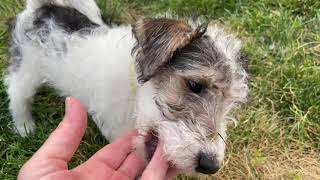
point(278, 134)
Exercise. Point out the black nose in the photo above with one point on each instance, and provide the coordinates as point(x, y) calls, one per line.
point(207, 164)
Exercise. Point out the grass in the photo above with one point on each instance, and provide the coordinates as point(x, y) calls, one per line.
point(278, 131)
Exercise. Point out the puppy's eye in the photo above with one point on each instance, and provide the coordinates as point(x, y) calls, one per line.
point(195, 87)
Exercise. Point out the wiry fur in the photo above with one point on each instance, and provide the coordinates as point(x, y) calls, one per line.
point(95, 67)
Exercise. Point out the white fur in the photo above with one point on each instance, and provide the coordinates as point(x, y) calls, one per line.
point(106, 92)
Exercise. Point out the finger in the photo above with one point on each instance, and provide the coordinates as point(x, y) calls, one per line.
point(158, 166)
point(64, 141)
point(115, 153)
point(133, 166)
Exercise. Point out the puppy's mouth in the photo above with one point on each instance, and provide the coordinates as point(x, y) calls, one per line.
point(151, 144)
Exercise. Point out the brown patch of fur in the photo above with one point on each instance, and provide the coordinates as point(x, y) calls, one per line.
point(157, 40)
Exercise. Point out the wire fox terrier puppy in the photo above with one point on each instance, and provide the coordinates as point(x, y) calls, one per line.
point(171, 79)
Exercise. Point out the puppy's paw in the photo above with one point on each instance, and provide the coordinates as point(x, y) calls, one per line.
point(25, 128)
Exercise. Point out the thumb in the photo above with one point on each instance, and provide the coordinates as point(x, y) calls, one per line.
point(64, 141)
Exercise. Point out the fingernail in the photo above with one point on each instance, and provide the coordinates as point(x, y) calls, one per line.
point(67, 105)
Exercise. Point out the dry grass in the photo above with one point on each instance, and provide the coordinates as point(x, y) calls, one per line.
point(270, 161)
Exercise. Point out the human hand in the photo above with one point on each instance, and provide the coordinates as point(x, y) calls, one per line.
point(115, 161)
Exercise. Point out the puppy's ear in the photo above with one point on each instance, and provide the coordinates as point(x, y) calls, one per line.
point(157, 40)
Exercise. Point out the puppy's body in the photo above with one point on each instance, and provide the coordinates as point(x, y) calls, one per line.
point(189, 78)
point(95, 69)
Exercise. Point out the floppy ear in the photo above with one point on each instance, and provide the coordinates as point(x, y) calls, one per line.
point(157, 40)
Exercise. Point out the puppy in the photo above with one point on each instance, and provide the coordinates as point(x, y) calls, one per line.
point(173, 80)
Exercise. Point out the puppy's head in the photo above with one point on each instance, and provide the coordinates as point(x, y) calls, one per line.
point(195, 76)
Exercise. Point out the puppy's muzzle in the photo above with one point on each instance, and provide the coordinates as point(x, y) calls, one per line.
point(207, 164)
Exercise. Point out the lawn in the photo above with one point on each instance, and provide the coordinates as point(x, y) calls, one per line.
point(278, 131)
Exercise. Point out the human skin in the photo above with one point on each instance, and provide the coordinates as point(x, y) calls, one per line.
point(115, 161)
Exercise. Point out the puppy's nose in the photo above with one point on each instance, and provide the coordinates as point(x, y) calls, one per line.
point(207, 164)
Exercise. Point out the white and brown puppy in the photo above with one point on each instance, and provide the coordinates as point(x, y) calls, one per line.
point(188, 77)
